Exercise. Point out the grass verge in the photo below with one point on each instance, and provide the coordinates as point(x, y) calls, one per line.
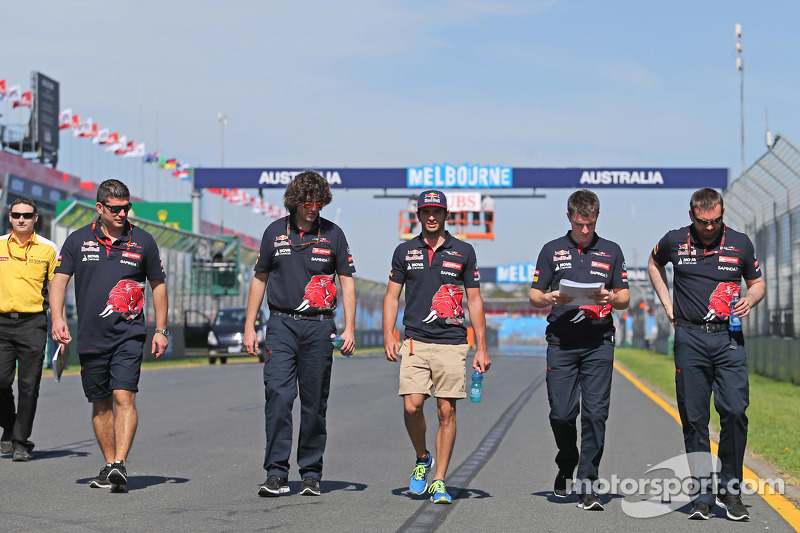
point(774, 432)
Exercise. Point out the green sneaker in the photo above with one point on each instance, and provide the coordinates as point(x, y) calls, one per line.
point(439, 492)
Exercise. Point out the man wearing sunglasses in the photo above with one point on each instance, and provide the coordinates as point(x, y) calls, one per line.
point(438, 271)
point(300, 256)
point(27, 263)
point(111, 260)
point(709, 261)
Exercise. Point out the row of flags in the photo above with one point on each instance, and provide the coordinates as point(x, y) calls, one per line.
point(121, 146)
point(15, 95)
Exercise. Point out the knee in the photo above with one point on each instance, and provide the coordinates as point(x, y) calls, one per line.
point(124, 399)
point(412, 410)
point(446, 412)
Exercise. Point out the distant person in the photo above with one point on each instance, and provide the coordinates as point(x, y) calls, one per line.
point(709, 261)
point(580, 342)
point(27, 262)
point(300, 256)
point(412, 215)
point(437, 270)
point(111, 260)
point(487, 206)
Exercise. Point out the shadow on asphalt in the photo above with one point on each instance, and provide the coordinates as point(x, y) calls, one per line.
point(55, 454)
point(605, 499)
point(141, 482)
point(456, 492)
point(330, 486)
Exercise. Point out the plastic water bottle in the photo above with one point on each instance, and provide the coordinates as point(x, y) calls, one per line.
point(476, 390)
point(735, 323)
point(337, 342)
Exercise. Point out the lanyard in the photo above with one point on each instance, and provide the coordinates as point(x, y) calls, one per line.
point(26, 248)
point(302, 244)
point(103, 241)
point(693, 251)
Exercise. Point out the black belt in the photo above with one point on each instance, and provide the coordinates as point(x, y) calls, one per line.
point(14, 314)
point(708, 327)
point(298, 316)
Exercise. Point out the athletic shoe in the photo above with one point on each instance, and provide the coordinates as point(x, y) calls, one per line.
point(273, 486)
point(560, 488)
point(310, 487)
point(419, 476)
point(590, 502)
point(118, 477)
point(732, 503)
point(700, 511)
point(6, 446)
point(21, 454)
point(439, 492)
point(101, 481)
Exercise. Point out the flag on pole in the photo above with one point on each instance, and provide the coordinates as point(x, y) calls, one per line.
point(25, 100)
point(111, 139)
point(65, 119)
point(125, 148)
point(171, 164)
point(152, 158)
point(138, 151)
point(13, 94)
point(101, 137)
point(118, 144)
point(2, 90)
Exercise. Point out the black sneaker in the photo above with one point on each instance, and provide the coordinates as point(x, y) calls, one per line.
point(5, 442)
point(700, 511)
point(310, 487)
point(21, 453)
point(273, 486)
point(101, 481)
point(590, 502)
point(118, 477)
point(560, 488)
point(732, 503)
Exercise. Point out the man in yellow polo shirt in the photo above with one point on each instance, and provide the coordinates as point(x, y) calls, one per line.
point(27, 262)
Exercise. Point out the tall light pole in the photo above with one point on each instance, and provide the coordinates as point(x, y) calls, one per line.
point(223, 119)
point(740, 68)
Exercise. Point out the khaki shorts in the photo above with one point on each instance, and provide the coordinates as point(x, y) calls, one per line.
point(441, 366)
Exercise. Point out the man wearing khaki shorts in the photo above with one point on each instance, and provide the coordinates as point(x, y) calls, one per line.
point(438, 270)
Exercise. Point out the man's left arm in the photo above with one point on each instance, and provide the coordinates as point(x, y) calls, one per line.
point(160, 306)
point(349, 301)
point(756, 288)
point(481, 361)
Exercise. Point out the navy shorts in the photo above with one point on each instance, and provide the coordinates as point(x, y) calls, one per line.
point(118, 369)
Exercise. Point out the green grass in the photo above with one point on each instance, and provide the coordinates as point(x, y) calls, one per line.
point(774, 431)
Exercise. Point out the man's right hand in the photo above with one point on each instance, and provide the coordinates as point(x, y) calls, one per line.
point(250, 340)
point(391, 349)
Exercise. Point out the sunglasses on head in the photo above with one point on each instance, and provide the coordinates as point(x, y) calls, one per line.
point(117, 208)
point(318, 205)
point(27, 216)
point(708, 222)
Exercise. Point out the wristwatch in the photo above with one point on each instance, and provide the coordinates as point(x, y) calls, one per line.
point(164, 332)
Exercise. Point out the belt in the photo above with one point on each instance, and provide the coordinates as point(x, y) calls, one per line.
point(14, 314)
point(298, 316)
point(708, 327)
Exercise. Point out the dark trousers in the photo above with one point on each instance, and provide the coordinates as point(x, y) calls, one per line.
point(580, 376)
point(299, 356)
point(22, 342)
point(706, 362)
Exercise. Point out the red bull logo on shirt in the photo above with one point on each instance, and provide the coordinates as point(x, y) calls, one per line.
point(320, 293)
point(126, 298)
point(446, 303)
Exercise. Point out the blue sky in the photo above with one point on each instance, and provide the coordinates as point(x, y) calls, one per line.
point(396, 84)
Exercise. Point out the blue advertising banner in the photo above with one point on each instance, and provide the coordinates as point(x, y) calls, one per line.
point(471, 177)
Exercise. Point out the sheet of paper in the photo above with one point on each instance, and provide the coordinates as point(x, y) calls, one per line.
point(580, 292)
point(58, 362)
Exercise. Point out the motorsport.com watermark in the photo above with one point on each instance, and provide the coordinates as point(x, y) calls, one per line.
point(672, 486)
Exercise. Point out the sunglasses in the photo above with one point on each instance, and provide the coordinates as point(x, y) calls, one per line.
point(27, 216)
point(709, 222)
point(318, 205)
point(117, 208)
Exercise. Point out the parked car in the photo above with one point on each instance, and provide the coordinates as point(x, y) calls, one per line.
point(226, 335)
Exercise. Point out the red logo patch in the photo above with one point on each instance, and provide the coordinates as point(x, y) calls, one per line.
point(323, 251)
point(598, 264)
point(132, 255)
point(449, 264)
point(725, 259)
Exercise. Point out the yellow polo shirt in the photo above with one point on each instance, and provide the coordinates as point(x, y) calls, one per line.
point(25, 272)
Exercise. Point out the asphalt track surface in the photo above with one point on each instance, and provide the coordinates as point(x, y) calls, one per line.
point(197, 460)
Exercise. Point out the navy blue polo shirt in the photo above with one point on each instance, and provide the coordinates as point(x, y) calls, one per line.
point(435, 288)
point(302, 268)
point(109, 283)
point(601, 260)
point(705, 278)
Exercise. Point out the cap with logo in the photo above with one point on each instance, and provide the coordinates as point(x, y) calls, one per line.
point(432, 198)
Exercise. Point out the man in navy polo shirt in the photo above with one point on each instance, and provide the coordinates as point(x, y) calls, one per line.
point(580, 341)
point(300, 256)
point(437, 270)
point(709, 261)
point(111, 260)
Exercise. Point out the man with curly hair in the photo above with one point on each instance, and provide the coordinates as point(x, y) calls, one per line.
point(300, 255)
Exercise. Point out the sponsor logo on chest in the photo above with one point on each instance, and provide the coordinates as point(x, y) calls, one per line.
point(726, 259)
point(450, 264)
point(131, 255)
point(598, 264)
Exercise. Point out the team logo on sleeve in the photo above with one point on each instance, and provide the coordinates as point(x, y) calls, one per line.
point(719, 303)
point(320, 293)
point(126, 298)
point(446, 303)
